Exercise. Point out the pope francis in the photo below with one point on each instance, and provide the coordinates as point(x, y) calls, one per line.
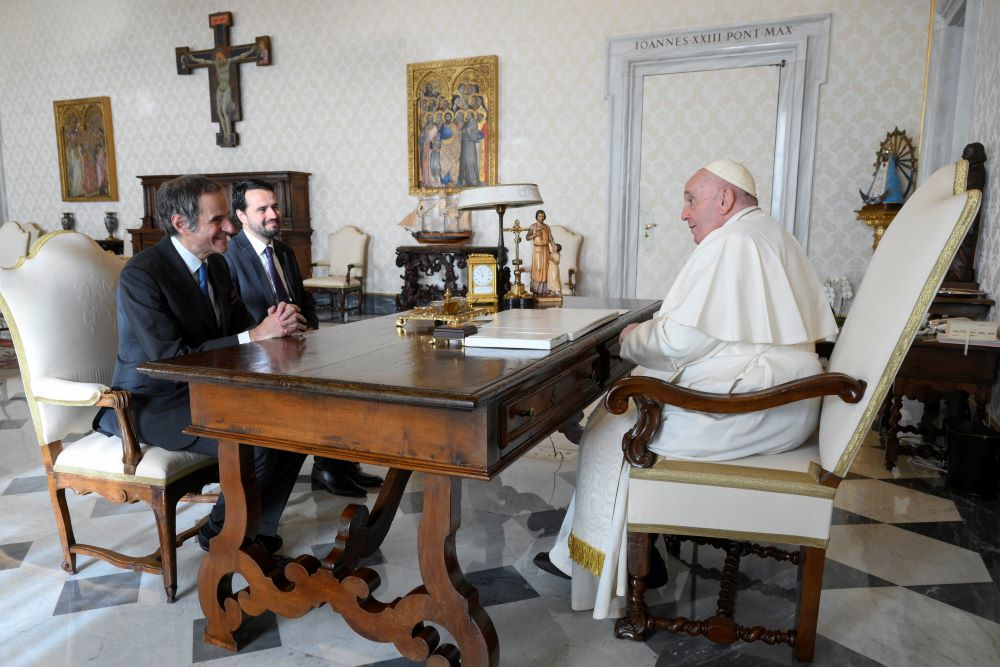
point(742, 315)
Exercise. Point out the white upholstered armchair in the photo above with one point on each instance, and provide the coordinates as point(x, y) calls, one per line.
point(569, 258)
point(60, 305)
point(788, 498)
point(14, 243)
point(348, 248)
point(15, 239)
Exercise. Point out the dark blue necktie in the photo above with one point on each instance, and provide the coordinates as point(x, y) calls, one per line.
point(279, 288)
point(203, 281)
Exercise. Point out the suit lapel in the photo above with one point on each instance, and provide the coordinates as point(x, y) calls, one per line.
point(253, 264)
point(222, 285)
point(188, 287)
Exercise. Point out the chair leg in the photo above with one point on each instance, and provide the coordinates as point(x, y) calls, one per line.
point(165, 510)
point(64, 525)
point(810, 587)
point(634, 625)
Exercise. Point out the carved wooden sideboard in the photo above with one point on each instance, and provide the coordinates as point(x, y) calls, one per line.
point(427, 262)
point(290, 187)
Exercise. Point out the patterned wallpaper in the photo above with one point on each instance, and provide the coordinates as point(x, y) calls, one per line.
point(333, 103)
point(986, 130)
point(675, 145)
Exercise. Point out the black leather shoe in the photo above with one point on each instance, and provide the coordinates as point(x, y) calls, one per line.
point(361, 478)
point(205, 534)
point(545, 564)
point(270, 543)
point(336, 483)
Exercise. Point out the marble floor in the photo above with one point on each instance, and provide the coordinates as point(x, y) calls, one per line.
point(911, 577)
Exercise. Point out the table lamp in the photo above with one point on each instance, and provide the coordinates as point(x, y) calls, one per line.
point(500, 198)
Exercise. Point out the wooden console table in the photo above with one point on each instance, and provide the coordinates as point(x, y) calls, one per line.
point(425, 261)
point(932, 369)
point(116, 246)
point(365, 392)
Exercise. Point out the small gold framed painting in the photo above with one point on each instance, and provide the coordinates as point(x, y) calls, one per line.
point(482, 279)
point(86, 149)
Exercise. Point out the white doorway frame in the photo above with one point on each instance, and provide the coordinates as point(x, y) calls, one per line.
point(799, 45)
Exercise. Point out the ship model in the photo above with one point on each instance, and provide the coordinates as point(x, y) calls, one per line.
point(436, 219)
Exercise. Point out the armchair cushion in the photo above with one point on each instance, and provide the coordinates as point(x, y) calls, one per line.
point(331, 282)
point(741, 499)
point(97, 455)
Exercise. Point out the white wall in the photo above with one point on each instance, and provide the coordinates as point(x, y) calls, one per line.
point(334, 102)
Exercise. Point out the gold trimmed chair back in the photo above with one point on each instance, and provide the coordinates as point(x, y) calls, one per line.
point(14, 243)
point(921, 241)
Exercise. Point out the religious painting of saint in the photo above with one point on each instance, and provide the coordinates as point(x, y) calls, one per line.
point(452, 117)
point(86, 149)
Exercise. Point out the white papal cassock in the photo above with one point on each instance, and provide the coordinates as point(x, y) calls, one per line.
point(742, 315)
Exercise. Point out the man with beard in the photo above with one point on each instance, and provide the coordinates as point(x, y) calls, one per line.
point(266, 275)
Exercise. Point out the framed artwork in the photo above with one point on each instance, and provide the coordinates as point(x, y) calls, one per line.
point(86, 149)
point(452, 126)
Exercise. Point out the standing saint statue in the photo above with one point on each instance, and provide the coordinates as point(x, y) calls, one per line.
point(554, 281)
point(541, 239)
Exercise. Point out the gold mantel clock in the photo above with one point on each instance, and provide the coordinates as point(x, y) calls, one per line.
point(482, 280)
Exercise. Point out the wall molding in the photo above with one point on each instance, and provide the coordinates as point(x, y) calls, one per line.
point(799, 45)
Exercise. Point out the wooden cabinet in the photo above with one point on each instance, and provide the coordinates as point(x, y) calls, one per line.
point(290, 187)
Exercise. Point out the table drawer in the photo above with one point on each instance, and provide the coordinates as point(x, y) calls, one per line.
point(979, 366)
point(538, 411)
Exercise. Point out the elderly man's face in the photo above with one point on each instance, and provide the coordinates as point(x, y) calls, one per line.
point(703, 204)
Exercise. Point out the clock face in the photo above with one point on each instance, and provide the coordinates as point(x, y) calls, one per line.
point(482, 280)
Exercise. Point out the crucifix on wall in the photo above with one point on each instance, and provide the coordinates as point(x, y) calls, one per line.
point(223, 61)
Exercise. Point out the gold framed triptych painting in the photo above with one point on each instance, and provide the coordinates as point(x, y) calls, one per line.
point(452, 124)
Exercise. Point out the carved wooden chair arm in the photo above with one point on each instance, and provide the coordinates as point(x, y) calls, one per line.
point(572, 280)
point(119, 400)
point(650, 394)
point(351, 267)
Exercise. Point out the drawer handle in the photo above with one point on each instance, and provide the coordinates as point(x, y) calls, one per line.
point(530, 414)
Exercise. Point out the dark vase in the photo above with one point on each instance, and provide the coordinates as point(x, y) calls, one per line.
point(68, 222)
point(111, 223)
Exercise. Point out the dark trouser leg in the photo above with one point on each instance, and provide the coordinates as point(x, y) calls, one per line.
point(276, 472)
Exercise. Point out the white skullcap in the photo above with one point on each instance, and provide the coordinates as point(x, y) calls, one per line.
point(735, 173)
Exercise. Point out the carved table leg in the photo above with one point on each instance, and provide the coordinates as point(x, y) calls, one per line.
point(892, 436)
point(455, 604)
point(361, 532)
point(983, 395)
point(239, 485)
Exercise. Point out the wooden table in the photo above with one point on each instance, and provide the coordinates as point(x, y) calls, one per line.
point(369, 393)
point(931, 369)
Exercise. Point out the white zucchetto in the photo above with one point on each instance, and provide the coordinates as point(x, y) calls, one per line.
point(734, 173)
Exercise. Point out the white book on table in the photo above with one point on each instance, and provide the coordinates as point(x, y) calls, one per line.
point(541, 329)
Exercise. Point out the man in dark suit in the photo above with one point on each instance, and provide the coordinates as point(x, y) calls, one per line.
point(266, 274)
point(176, 298)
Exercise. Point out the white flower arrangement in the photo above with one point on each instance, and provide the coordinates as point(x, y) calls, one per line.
point(838, 292)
